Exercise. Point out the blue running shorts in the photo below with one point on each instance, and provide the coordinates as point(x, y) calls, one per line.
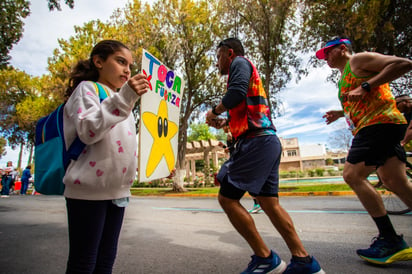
point(253, 166)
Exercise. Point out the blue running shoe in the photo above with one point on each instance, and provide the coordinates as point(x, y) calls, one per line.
point(273, 264)
point(385, 252)
point(304, 268)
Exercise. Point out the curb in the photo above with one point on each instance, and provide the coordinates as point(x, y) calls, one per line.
point(318, 193)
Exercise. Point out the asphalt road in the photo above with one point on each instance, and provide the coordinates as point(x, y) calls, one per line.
point(192, 235)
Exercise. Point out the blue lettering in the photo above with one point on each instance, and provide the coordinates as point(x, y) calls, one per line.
point(169, 78)
point(152, 60)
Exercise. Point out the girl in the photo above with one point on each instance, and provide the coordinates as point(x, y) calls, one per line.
point(97, 185)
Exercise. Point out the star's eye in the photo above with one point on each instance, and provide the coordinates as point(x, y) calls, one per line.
point(159, 127)
point(166, 126)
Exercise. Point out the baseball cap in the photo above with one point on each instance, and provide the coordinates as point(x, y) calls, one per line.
point(320, 54)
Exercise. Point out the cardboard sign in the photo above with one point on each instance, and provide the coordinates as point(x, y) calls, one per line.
point(159, 120)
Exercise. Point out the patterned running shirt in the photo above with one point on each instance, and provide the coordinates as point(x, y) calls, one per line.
point(377, 107)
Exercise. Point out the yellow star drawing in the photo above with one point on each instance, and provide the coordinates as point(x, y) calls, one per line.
point(162, 131)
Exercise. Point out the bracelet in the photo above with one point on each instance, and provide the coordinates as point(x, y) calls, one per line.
point(214, 111)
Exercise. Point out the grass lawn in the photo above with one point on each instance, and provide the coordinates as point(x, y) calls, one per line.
point(215, 190)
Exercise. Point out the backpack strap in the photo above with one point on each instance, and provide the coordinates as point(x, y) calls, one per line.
point(77, 147)
point(59, 119)
point(101, 91)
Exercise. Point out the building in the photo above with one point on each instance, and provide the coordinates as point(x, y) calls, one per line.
point(295, 157)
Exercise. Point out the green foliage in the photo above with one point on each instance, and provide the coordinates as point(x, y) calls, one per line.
point(3, 144)
point(71, 51)
point(333, 172)
point(15, 87)
point(319, 172)
point(311, 173)
point(160, 183)
point(55, 4)
point(200, 131)
point(373, 25)
point(180, 33)
point(12, 13)
point(185, 34)
point(267, 28)
point(23, 100)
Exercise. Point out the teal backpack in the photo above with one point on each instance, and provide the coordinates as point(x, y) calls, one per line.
point(51, 158)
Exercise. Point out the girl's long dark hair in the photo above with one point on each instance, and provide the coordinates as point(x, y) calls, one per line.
point(85, 70)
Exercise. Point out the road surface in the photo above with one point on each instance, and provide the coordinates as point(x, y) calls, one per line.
point(192, 235)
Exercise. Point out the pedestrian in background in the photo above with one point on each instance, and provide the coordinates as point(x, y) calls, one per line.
point(404, 104)
point(25, 177)
point(7, 179)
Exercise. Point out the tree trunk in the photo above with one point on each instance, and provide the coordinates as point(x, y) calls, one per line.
point(178, 181)
point(30, 159)
point(20, 155)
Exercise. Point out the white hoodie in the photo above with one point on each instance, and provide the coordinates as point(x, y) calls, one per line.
point(107, 167)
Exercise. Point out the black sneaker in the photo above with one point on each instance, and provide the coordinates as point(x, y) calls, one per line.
point(385, 252)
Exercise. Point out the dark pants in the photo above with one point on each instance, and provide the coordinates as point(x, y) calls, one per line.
point(94, 229)
point(6, 181)
point(24, 186)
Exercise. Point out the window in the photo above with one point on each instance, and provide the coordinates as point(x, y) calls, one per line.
point(292, 153)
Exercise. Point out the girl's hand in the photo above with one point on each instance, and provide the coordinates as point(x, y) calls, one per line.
point(139, 84)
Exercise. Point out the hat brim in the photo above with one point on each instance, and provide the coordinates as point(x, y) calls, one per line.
point(320, 54)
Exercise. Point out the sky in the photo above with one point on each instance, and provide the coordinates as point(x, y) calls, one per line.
point(304, 103)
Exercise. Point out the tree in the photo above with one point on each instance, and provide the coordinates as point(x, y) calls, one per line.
point(55, 4)
point(186, 33)
point(180, 33)
point(12, 13)
point(3, 144)
point(16, 87)
point(341, 139)
point(76, 48)
point(200, 131)
point(372, 25)
point(267, 28)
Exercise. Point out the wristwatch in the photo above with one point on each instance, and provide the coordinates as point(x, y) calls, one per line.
point(366, 86)
point(214, 111)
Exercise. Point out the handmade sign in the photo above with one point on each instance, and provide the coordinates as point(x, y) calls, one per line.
point(159, 120)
